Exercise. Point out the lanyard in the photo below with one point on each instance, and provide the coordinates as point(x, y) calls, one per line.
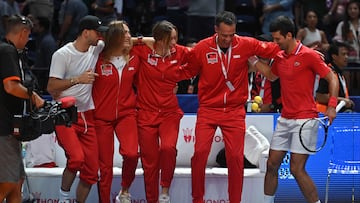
point(192, 80)
point(224, 70)
point(23, 79)
point(262, 89)
point(251, 79)
point(343, 84)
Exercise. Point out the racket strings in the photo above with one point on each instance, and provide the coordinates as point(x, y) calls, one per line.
point(313, 134)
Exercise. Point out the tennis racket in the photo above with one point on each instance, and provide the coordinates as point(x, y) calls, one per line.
point(318, 127)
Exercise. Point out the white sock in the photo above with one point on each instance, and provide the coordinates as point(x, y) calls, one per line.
point(64, 195)
point(269, 198)
point(318, 201)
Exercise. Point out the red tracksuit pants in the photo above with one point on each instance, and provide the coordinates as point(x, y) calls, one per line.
point(232, 125)
point(126, 133)
point(80, 145)
point(158, 135)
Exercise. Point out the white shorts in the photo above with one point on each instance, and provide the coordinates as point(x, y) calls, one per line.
point(286, 136)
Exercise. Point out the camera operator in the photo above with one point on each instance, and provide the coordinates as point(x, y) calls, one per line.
point(13, 95)
point(72, 74)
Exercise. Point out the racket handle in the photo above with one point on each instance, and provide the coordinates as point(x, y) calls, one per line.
point(340, 106)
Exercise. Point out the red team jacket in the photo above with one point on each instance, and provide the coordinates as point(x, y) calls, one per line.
point(157, 78)
point(113, 95)
point(213, 91)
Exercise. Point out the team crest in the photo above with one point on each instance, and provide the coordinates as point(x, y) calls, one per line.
point(212, 57)
point(152, 60)
point(106, 69)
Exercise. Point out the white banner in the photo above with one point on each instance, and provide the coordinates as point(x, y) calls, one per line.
point(44, 186)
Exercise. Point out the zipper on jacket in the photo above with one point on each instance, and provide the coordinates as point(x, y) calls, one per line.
point(118, 90)
point(225, 100)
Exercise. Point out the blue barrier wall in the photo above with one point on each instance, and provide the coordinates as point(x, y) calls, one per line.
point(356, 100)
point(189, 102)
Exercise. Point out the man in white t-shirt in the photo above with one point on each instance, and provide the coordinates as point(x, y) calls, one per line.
point(72, 74)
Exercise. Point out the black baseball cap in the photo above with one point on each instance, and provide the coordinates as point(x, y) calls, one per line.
point(90, 22)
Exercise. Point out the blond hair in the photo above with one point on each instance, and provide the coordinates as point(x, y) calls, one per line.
point(114, 40)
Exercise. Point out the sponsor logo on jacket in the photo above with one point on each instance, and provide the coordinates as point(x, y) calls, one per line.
point(212, 57)
point(106, 69)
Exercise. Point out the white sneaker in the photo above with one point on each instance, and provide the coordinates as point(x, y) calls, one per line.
point(64, 197)
point(123, 198)
point(164, 198)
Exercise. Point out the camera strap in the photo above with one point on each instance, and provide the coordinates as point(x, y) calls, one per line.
point(23, 70)
point(30, 93)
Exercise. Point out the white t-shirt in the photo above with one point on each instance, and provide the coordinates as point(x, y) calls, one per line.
point(311, 37)
point(68, 62)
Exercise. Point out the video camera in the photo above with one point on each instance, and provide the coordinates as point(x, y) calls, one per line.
point(43, 120)
point(63, 112)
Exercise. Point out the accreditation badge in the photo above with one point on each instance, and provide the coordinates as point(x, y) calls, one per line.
point(106, 69)
point(230, 86)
